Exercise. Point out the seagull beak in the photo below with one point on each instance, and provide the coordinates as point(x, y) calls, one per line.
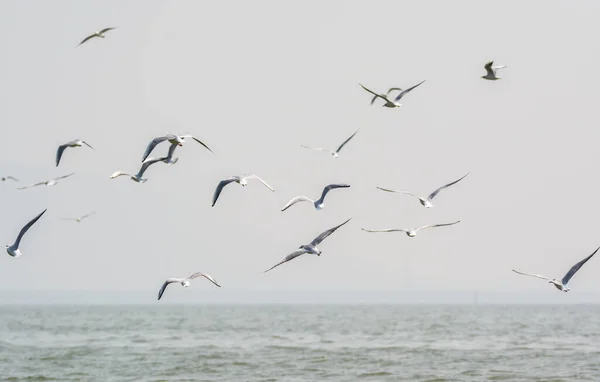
point(180, 144)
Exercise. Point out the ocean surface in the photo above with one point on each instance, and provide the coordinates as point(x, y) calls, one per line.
point(300, 343)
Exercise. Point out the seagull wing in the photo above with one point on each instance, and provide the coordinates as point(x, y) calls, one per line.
point(289, 257)
point(199, 141)
point(208, 277)
point(64, 176)
point(87, 215)
point(402, 93)
point(26, 228)
point(31, 185)
point(13, 178)
point(316, 148)
point(375, 94)
point(488, 68)
point(576, 267)
point(220, 186)
point(262, 181)
point(332, 187)
point(346, 141)
point(296, 200)
point(147, 163)
point(88, 145)
point(59, 152)
point(532, 274)
point(106, 30)
point(87, 38)
point(324, 235)
point(392, 89)
point(434, 193)
point(172, 150)
point(385, 230)
point(397, 191)
point(153, 144)
point(164, 286)
point(437, 225)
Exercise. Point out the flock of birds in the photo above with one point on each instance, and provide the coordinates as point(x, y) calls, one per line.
point(310, 248)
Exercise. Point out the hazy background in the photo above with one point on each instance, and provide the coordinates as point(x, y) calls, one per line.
point(255, 80)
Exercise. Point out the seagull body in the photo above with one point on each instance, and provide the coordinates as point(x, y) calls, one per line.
point(74, 143)
point(79, 219)
point(425, 201)
point(491, 71)
point(48, 183)
point(242, 181)
point(99, 34)
point(309, 248)
point(562, 285)
point(13, 250)
point(185, 282)
point(411, 232)
point(335, 153)
point(177, 140)
point(388, 102)
point(138, 177)
point(5, 178)
point(384, 95)
point(319, 203)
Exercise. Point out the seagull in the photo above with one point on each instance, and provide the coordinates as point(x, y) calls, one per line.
point(100, 34)
point(5, 178)
point(384, 95)
point(185, 282)
point(309, 248)
point(243, 181)
point(411, 232)
point(491, 71)
point(138, 177)
point(13, 250)
point(319, 203)
point(335, 153)
point(388, 102)
point(424, 201)
point(48, 183)
point(562, 284)
point(79, 219)
point(75, 143)
point(177, 140)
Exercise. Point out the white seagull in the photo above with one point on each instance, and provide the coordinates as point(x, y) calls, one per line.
point(74, 143)
point(562, 285)
point(309, 248)
point(491, 71)
point(335, 153)
point(319, 203)
point(5, 178)
point(48, 183)
point(242, 181)
point(138, 177)
point(79, 219)
point(177, 140)
point(388, 102)
point(100, 34)
point(185, 282)
point(384, 95)
point(13, 250)
point(411, 232)
point(426, 202)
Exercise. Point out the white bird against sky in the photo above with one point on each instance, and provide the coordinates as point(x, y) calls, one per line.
point(99, 34)
point(48, 183)
point(139, 176)
point(80, 218)
point(185, 282)
point(491, 71)
point(173, 139)
point(13, 250)
point(74, 143)
point(425, 201)
point(242, 181)
point(5, 178)
point(309, 248)
point(411, 232)
point(562, 285)
point(388, 102)
point(335, 153)
point(319, 203)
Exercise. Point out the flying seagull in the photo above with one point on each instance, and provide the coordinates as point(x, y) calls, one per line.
point(335, 153)
point(177, 140)
point(309, 248)
point(138, 177)
point(48, 183)
point(5, 178)
point(425, 201)
point(75, 143)
point(411, 232)
point(185, 282)
point(491, 71)
point(13, 250)
point(319, 203)
point(562, 284)
point(388, 102)
point(79, 219)
point(384, 95)
point(242, 181)
point(100, 34)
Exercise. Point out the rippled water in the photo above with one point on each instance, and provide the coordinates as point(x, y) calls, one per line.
point(300, 343)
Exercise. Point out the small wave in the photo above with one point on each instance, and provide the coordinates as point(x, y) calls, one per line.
point(374, 374)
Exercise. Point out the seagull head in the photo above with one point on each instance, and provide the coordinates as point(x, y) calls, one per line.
point(335, 155)
point(243, 182)
point(185, 283)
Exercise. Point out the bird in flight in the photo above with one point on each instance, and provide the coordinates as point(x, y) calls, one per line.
point(74, 143)
point(48, 183)
point(562, 285)
point(138, 177)
point(388, 102)
point(5, 178)
point(335, 153)
point(185, 282)
point(177, 140)
point(242, 181)
point(491, 71)
point(13, 250)
point(411, 232)
point(425, 201)
point(309, 248)
point(99, 34)
point(319, 203)
point(80, 218)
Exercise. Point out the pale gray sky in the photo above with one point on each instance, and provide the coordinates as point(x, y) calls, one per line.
point(255, 80)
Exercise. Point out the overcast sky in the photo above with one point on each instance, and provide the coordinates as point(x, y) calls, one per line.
point(254, 81)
